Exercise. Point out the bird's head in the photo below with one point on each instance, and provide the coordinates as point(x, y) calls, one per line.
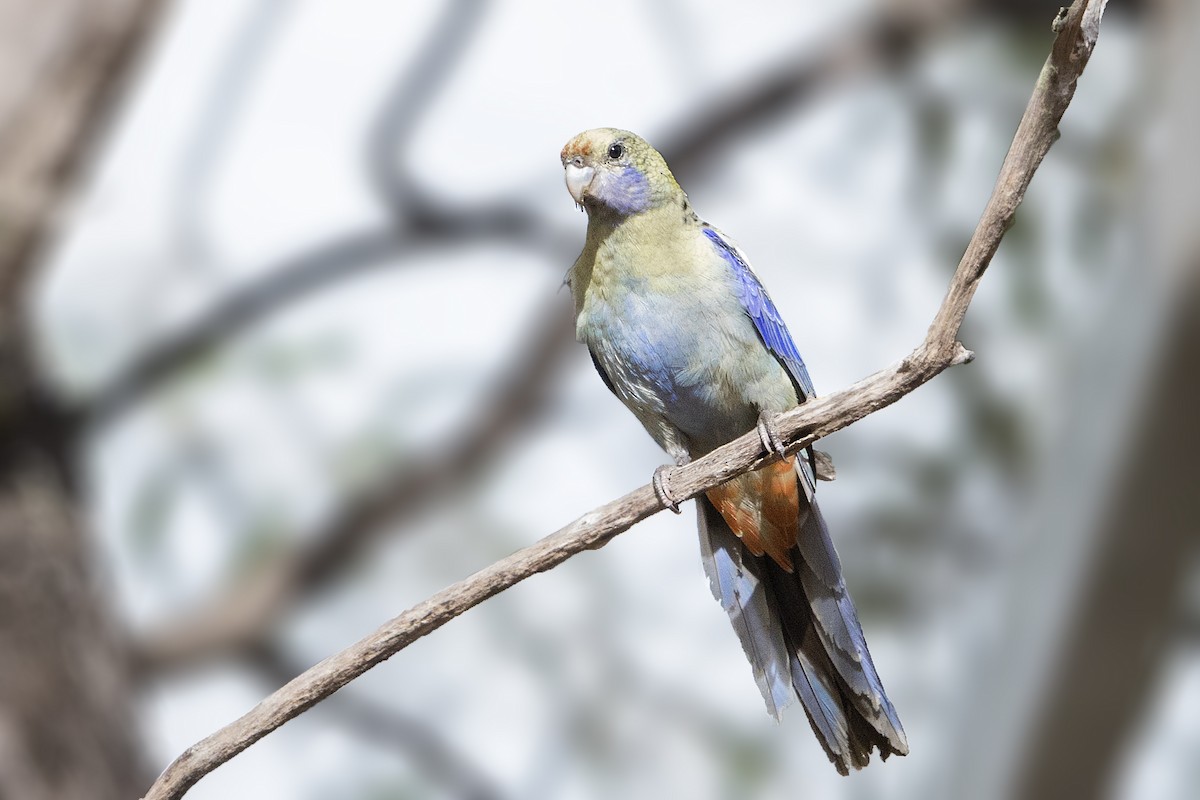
point(611, 171)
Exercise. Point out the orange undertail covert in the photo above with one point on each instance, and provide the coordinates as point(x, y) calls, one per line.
point(763, 509)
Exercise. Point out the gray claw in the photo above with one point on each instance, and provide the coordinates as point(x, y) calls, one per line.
point(659, 482)
point(768, 434)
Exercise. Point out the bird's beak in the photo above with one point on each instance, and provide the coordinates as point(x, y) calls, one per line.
point(578, 178)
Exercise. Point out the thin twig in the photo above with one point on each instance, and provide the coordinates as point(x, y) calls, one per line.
point(1077, 29)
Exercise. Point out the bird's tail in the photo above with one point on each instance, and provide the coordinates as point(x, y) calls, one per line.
point(802, 636)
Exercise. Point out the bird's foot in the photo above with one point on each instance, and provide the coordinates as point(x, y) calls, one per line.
point(659, 482)
point(768, 434)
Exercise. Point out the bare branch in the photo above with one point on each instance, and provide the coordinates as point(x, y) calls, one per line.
point(799, 427)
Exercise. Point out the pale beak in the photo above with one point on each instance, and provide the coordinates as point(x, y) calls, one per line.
point(578, 178)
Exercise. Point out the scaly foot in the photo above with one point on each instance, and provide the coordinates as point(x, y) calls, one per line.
point(768, 434)
point(659, 482)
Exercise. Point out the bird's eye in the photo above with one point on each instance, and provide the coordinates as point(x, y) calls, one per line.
point(616, 150)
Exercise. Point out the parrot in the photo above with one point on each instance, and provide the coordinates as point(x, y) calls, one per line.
point(683, 333)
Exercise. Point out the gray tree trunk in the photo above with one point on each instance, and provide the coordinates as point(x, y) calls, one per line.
point(67, 727)
point(67, 723)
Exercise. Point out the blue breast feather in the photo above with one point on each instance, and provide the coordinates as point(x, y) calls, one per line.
point(766, 318)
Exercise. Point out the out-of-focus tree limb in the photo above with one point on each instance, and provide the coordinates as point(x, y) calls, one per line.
point(341, 257)
point(67, 702)
point(221, 107)
point(413, 90)
point(1128, 607)
point(388, 728)
point(352, 254)
point(1108, 653)
point(1076, 29)
point(418, 221)
point(886, 36)
point(883, 36)
point(64, 63)
point(67, 727)
point(241, 618)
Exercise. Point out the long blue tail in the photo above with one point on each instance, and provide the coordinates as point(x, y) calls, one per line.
point(802, 636)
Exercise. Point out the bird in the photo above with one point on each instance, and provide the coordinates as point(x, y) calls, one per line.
point(682, 331)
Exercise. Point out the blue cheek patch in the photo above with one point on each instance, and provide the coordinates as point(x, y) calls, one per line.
point(628, 193)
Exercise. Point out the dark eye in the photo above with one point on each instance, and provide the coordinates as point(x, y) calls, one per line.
point(616, 150)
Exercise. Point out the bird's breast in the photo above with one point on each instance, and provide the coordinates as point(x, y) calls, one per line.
point(679, 352)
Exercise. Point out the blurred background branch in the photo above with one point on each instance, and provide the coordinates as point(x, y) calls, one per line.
point(416, 221)
point(66, 702)
point(389, 728)
point(246, 616)
point(1126, 614)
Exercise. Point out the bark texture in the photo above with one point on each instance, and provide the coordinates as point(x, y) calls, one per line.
point(66, 707)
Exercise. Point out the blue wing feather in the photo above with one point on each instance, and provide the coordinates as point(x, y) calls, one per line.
point(764, 315)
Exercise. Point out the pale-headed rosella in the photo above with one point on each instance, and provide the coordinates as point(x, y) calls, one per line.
point(683, 333)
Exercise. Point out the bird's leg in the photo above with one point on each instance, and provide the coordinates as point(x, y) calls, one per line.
point(768, 434)
point(659, 482)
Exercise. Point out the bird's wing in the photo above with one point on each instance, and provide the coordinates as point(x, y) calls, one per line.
point(762, 312)
point(773, 333)
point(603, 373)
